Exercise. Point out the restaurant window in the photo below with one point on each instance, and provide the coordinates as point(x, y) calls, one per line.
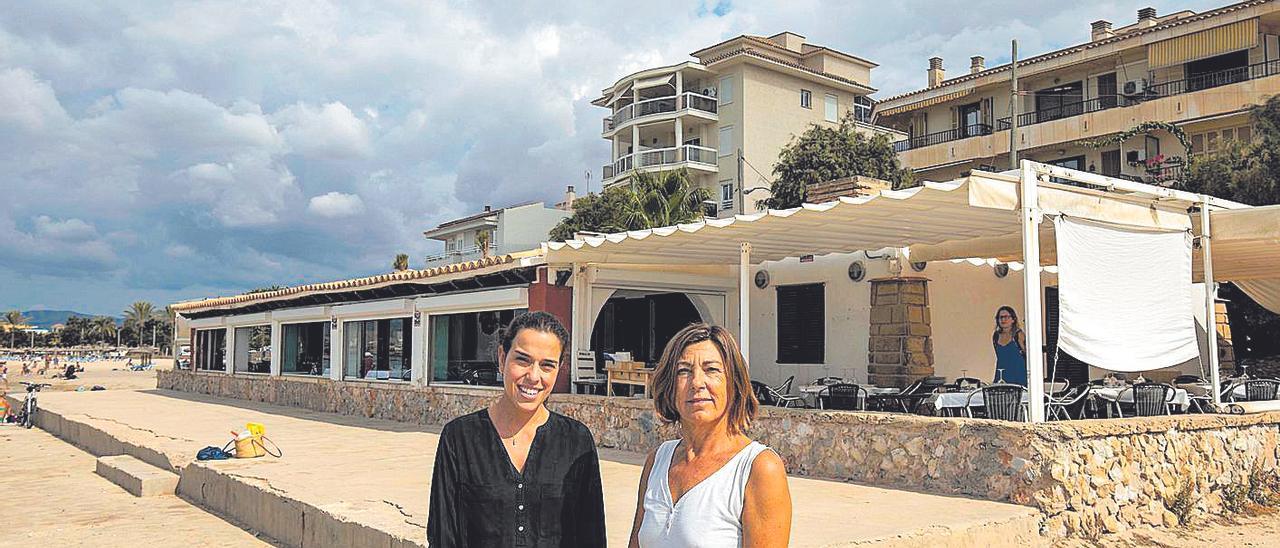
point(832, 105)
point(806, 98)
point(252, 349)
point(304, 349)
point(801, 323)
point(464, 346)
point(378, 349)
point(210, 353)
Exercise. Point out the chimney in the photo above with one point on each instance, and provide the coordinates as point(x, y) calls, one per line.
point(1101, 29)
point(977, 64)
point(1146, 17)
point(936, 74)
point(569, 197)
point(487, 208)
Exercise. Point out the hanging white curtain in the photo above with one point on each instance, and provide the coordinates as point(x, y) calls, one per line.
point(1265, 292)
point(1124, 295)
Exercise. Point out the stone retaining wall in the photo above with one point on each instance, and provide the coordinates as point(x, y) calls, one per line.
point(1086, 476)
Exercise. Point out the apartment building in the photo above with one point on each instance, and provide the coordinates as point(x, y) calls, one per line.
point(725, 116)
point(512, 229)
point(1199, 72)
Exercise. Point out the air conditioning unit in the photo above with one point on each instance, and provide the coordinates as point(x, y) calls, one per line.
point(1134, 87)
point(1134, 156)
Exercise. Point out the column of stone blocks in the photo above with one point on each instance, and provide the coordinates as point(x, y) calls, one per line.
point(1226, 352)
point(900, 348)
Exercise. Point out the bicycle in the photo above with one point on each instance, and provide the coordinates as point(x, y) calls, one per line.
point(27, 415)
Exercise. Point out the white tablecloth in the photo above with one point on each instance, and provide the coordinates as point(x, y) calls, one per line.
point(813, 391)
point(1180, 396)
point(954, 400)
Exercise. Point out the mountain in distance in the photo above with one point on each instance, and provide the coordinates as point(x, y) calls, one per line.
point(45, 319)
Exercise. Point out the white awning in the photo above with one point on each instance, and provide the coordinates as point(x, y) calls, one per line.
point(667, 79)
point(1246, 244)
point(982, 208)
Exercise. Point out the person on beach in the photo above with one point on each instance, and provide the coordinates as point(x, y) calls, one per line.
point(516, 473)
point(714, 486)
point(1010, 345)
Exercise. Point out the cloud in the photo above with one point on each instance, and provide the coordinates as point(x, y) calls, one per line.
point(335, 204)
point(291, 142)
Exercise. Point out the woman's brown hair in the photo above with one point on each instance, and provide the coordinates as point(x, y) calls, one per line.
point(742, 399)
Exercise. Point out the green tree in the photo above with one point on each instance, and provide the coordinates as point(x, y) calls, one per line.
point(650, 200)
point(102, 329)
point(401, 262)
point(14, 319)
point(483, 239)
point(137, 316)
point(822, 153)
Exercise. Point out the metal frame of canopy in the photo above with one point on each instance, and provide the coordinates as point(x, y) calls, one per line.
point(990, 212)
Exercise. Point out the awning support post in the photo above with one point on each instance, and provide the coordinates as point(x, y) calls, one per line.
point(744, 300)
point(1031, 218)
point(1210, 299)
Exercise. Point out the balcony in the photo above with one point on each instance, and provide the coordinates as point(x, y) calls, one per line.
point(688, 100)
point(691, 156)
point(454, 256)
point(1098, 104)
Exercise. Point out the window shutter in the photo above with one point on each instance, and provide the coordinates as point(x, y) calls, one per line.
point(801, 323)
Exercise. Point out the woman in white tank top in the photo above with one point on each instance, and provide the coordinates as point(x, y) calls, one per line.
point(713, 487)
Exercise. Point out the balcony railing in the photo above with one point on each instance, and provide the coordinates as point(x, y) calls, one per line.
point(661, 105)
point(942, 137)
point(1152, 92)
point(660, 157)
point(459, 255)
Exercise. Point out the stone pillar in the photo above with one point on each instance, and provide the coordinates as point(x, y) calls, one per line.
point(900, 349)
point(1226, 352)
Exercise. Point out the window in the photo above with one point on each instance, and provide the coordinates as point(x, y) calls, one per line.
point(210, 353)
point(801, 323)
point(726, 146)
point(726, 195)
point(1111, 163)
point(1153, 147)
point(862, 106)
point(726, 90)
point(1059, 102)
point(464, 347)
point(378, 349)
point(252, 349)
point(833, 108)
point(304, 349)
point(1219, 139)
point(971, 120)
point(806, 98)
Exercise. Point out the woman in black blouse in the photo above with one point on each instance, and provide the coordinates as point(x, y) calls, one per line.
point(516, 474)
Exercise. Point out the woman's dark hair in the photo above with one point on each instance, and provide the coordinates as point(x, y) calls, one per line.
point(537, 321)
point(742, 399)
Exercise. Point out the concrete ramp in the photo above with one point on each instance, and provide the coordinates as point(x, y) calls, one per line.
point(346, 481)
point(137, 477)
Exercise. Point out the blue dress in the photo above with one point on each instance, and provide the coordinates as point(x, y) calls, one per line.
point(1009, 358)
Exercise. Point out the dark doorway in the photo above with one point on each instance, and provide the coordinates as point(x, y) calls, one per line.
point(1107, 96)
point(1059, 102)
point(971, 121)
point(1218, 71)
point(641, 324)
point(1111, 163)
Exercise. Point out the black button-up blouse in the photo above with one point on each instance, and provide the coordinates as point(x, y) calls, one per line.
point(479, 499)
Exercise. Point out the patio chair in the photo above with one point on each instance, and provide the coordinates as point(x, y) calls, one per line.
point(1150, 399)
point(999, 402)
point(785, 387)
point(845, 396)
point(910, 397)
point(769, 395)
point(1260, 389)
point(1059, 407)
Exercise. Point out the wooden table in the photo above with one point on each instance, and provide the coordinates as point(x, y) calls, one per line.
point(622, 374)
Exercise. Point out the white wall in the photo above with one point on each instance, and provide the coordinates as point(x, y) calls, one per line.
point(523, 228)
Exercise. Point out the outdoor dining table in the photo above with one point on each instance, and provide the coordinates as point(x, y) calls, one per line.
point(944, 402)
point(812, 393)
point(1112, 393)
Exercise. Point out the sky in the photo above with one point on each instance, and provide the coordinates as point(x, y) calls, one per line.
point(166, 151)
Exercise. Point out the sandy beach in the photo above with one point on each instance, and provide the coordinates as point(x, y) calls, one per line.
point(110, 374)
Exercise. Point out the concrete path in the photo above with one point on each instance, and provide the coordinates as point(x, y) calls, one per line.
point(355, 481)
point(50, 496)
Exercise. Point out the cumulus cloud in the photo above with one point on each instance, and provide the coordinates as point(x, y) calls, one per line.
point(335, 204)
point(172, 160)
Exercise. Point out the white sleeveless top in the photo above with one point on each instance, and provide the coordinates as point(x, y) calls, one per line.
point(709, 515)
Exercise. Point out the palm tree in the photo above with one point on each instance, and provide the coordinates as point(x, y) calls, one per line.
point(14, 318)
point(662, 199)
point(137, 314)
point(401, 262)
point(102, 328)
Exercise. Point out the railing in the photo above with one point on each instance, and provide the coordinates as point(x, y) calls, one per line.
point(661, 105)
point(942, 137)
point(660, 157)
point(458, 255)
point(1155, 91)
